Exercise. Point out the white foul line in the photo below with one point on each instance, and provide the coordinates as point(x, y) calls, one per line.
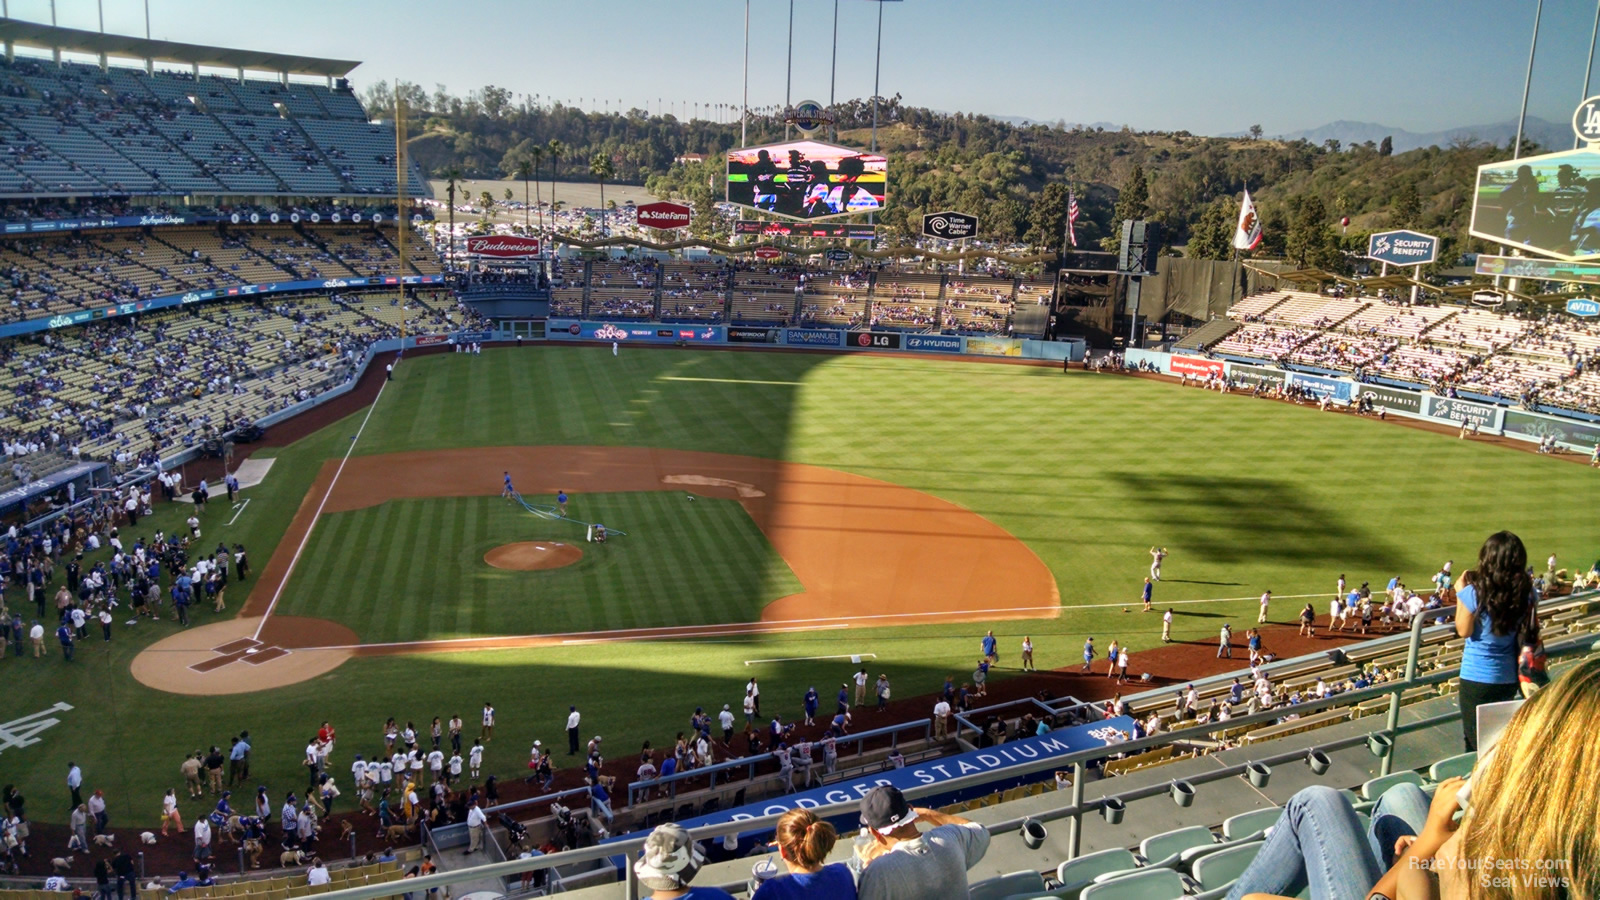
point(853, 656)
point(241, 509)
point(284, 582)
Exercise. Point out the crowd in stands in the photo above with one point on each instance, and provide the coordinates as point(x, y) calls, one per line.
point(1528, 359)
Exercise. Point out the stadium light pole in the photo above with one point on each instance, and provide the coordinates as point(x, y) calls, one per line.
point(744, 107)
point(147, 20)
point(788, 78)
point(1533, 47)
point(1588, 69)
point(877, 69)
point(833, 71)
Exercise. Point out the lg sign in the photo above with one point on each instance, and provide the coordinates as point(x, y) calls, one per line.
point(505, 246)
point(664, 215)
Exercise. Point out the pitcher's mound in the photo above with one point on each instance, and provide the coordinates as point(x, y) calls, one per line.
point(527, 556)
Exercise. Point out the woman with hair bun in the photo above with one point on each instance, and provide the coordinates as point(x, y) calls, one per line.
point(804, 842)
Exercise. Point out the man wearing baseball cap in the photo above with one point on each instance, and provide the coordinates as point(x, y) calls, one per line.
point(903, 862)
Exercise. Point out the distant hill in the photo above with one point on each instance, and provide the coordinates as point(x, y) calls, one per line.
point(1549, 135)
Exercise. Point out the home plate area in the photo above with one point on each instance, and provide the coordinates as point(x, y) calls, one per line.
point(248, 650)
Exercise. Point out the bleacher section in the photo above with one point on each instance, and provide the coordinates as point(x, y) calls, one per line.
point(622, 290)
point(1490, 355)
point(74, 129)
point(907, 300)
point(980, 303)
point(835, 299)
point(764, 295)
point(693, 292)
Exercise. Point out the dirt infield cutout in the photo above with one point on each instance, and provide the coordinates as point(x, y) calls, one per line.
point(533, 556)
point(867, 552)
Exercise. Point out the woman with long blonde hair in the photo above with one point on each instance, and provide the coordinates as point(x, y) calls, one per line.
point(1531, 830)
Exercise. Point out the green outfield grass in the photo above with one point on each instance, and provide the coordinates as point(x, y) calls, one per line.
point(678, 566)
point(1088, 470)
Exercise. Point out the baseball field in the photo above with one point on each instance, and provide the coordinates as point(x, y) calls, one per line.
point(778, 512)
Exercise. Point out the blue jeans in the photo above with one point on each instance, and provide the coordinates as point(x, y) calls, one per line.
point(1318, 843)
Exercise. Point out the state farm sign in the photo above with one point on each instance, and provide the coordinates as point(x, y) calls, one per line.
point(663, 215)
point(506, 246)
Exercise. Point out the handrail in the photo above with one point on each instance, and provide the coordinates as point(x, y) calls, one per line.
point(627, 848)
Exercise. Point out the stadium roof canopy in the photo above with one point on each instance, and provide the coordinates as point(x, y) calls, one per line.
point(77, 40)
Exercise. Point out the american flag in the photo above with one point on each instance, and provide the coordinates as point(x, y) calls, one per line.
point(1072, 216)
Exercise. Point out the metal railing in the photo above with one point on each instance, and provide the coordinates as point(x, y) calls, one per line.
point(1075, 810)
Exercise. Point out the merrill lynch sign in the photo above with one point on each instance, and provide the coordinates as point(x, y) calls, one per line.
point(1403, 248)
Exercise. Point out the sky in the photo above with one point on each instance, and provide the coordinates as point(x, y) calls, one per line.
point(1206, 66)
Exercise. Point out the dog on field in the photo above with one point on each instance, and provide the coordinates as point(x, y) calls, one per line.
point(105, 840)
point(147, 837)
point(396, 835)
point(252, 852)
point(61, 864)
point(233, 829)
point(346, 829)
point(291, 858)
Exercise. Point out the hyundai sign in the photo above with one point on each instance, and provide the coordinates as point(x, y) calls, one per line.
point(1583, 306)
point(1403, 248)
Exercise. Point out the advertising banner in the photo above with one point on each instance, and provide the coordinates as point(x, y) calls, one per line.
point(1533, 267)
point(429, 340)
point(1254, 375)
point(1565, 431)
point(744, 334)
point(1403, 248)
point(632, 332)
point(949, 226)
point(994, 346)
point(791, 229)
point(1194, 365)
point(1392, 398)
point(1457, 410)
point(1320, 387)
point(993, 759)
point(504, 246)
point(469, 337)
point(813, 337)
point(1583, 307)
point(933, 343)
point(663, 215)
point(874, 340)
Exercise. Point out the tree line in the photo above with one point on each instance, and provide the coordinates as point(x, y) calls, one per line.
point(1016, 178)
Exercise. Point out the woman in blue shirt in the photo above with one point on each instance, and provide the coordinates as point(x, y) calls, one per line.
point(804, 841)
point(1494, 603)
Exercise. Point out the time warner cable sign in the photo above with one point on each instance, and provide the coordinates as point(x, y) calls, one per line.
point(1403, 248)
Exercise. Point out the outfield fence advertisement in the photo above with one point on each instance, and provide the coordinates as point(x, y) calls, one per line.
point(1194, 365)
point(994, 346)
point(647, 333)
point(813, 337)
point(936, 343)
point(1571, 431)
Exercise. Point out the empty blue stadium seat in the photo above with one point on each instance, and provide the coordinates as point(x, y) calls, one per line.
point(1218, 871)
point(1165, 849)
point(1154, 884)
point(1087, 868)
point(1250, 824)
point(1452, 766)
point(1375, 787)
point(1005, 885)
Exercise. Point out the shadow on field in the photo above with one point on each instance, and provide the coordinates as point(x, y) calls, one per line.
point(1233, 519)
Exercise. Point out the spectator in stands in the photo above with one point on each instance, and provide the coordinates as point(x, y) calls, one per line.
point(670, 861)
point(901, 863)
point(1532, 810)
point(804, 842)
point(1493, 604)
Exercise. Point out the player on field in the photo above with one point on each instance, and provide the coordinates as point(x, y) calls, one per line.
point(1157, 554)
point(508, 491)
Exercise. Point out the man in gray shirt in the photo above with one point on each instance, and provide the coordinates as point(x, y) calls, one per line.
point(903, 863)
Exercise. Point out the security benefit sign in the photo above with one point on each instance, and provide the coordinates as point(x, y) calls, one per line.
point(1403, 248)
point(949, 226)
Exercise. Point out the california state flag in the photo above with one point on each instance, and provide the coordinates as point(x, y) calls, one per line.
point(1248, 233)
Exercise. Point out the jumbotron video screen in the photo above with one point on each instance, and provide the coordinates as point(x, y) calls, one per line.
point(807, 180)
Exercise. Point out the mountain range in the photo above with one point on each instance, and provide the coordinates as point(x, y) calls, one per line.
point(1550, 136)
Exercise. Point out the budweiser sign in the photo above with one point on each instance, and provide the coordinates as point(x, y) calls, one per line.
point(507, 246)
point(663, 215)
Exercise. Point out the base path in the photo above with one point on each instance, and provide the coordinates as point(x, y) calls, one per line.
point(867, 553)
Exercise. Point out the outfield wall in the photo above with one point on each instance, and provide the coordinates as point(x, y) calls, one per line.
point(815, 338)
point(1570, 432)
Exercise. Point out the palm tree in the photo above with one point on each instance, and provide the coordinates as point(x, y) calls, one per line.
point(601, 168)
point(556, 150)
point(536, 156)
point(452, 182)
point(524, 171)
